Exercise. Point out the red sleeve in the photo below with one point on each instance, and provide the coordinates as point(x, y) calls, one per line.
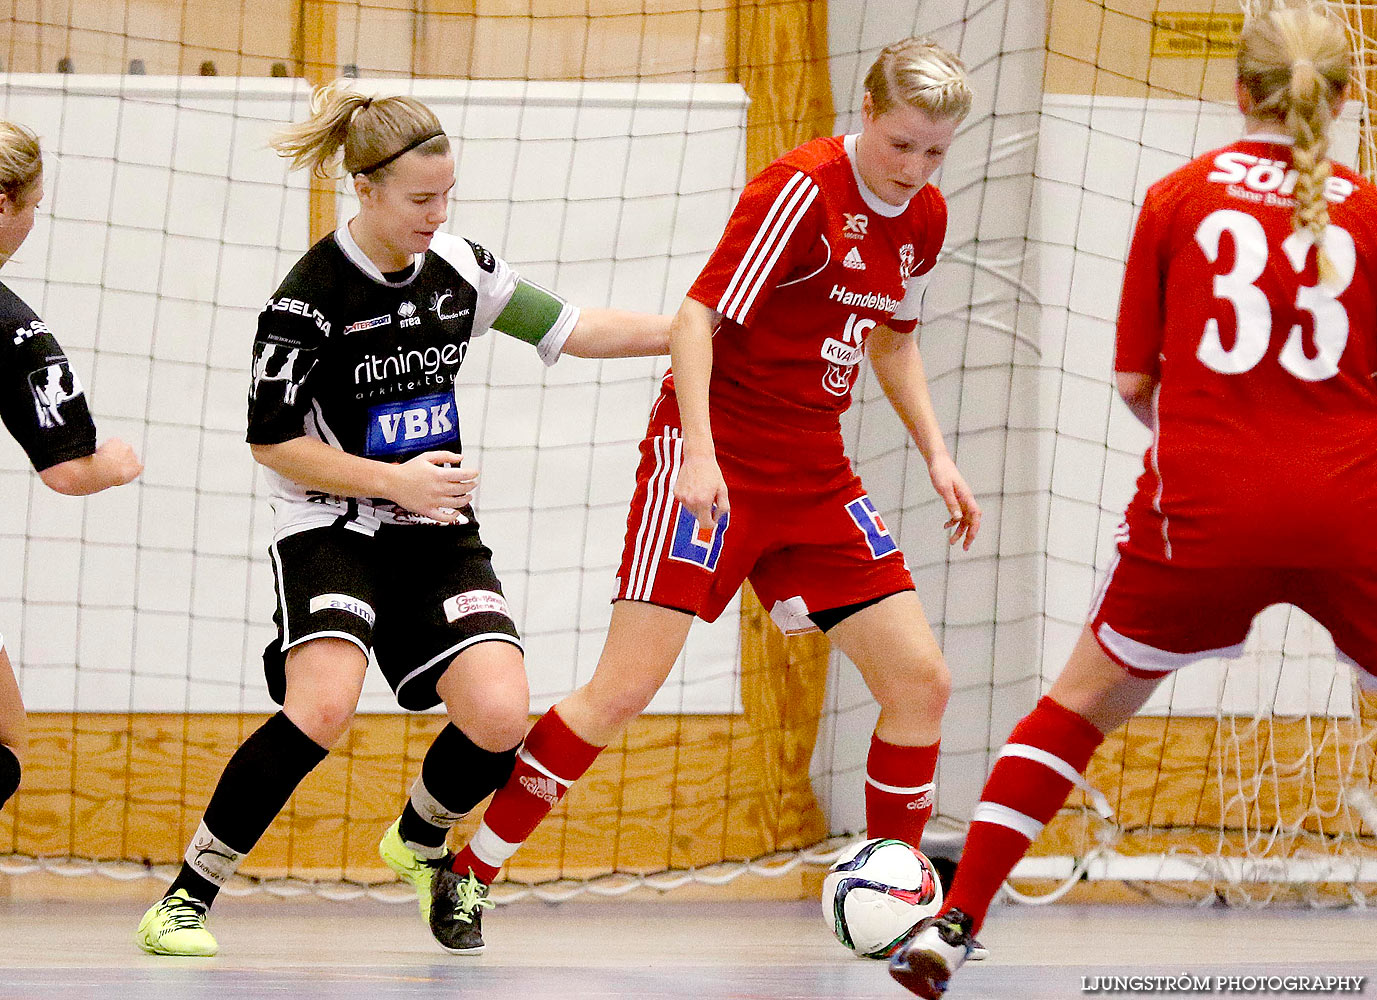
point(1138, 343)
point(763, 238)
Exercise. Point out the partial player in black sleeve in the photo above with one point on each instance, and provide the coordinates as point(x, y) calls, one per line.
point(376, 547)
point(41, 403)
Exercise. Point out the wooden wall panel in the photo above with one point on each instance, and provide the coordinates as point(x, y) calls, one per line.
point(1164, 779)
point(103, 36)
point(1105, 47)
point(664, 40)
point(676, 792)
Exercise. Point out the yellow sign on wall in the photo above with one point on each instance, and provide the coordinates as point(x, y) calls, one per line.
point(1194, 34)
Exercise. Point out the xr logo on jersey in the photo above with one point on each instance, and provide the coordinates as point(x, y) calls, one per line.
point(695, 544)
point(411, 425)
point(856, 225)
point(863, 512)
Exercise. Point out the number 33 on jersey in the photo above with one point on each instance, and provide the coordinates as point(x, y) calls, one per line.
point(1265, 373)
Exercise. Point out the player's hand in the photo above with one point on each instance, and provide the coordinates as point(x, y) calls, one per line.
point(434, 485)
point(961, 505)
point(118, 461)
point(702, 490)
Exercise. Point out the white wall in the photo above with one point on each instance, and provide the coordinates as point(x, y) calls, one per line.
point(167, 224)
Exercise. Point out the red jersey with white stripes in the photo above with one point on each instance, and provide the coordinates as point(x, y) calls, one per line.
point(1266, 444)
point(810, 262)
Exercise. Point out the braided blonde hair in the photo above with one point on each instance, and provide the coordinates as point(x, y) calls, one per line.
point(1294, 64)
point(21, 161)
point(920, 73)
point(369, 130)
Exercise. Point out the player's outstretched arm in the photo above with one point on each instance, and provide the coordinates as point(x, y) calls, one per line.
point(1136, 389)
point(618, 333)
point(432, 485)
point(112, 464)
point(899, 368)
point(543, 319)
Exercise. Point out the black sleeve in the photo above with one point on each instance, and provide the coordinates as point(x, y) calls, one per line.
point(291, 333)
point(41, 399)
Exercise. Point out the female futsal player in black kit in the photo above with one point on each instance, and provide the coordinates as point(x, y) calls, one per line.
point(376, 547)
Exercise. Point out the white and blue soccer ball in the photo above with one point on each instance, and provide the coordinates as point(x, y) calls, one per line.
point(875, 893)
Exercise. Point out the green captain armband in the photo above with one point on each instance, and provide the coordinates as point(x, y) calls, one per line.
point(540, 318)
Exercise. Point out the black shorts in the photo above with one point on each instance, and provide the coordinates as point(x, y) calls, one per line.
point(413, 595)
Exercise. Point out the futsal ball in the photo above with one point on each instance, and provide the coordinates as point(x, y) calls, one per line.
point(874, 894)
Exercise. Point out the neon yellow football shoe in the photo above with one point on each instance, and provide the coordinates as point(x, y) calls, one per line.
point(410, 866)
point(176, 925)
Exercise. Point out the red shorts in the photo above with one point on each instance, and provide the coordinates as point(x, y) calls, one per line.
point(801, 552)
point(1153, 617)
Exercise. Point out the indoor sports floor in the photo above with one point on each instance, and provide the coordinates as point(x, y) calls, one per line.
point(645, 950)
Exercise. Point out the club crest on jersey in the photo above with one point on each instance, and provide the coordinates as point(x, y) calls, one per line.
point(856, 225)
point(411, 425)
point(52, 386)
point(906, 261)
point(438, 302)
point(868, 519)
point(692, 543)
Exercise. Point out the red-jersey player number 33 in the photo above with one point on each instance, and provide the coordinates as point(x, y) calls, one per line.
point(1251, 308)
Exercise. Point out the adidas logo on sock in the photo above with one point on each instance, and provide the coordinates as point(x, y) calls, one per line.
point(923, 801)
point(853, 260)
point(541, 788)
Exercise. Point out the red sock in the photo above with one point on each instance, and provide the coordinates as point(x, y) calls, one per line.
point(1020, 798)
point(899, 790)
point(552, 758)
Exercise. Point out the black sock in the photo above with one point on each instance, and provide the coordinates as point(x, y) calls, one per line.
point(256, 784)
point(9, 774)
point(456, 775)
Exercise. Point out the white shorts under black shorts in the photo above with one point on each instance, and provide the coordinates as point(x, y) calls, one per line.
point(413, 595)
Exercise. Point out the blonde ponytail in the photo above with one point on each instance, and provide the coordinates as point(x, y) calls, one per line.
point(1295, 63)
point(371, 132)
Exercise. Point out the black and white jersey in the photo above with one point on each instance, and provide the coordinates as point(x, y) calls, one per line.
point(41, 399)
point(366, 361)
